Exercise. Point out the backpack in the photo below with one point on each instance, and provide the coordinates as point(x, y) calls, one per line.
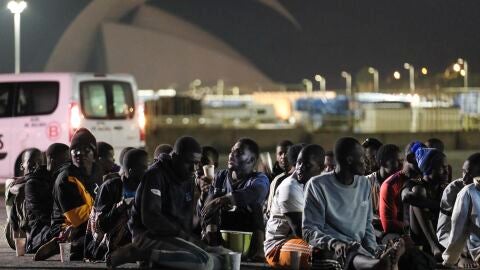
point(17, 222)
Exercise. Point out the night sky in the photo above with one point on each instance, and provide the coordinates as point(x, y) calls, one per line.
point(333, 35)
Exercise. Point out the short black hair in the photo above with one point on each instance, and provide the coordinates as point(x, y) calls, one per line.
point(329, 153)
point(33, 151)
point(58, 151)
point(436, 143)
point(344, 147)
point(474, 160)
point(133, 157)
point(122, 154)
point(162, 149)
point(211, 153)
point(293, 152)
point(251, 145)
point(285, 143)
point(186, 145)
point(372, 143)
point(103, 148)
point(314, 151)
point(386, 152)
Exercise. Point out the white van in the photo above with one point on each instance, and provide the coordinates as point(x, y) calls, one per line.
point(38, 109)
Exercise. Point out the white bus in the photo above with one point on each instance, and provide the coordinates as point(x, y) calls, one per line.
point(38, 109)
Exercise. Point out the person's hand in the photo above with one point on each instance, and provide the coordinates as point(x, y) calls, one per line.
point(340, 249)
point(213, 206)
point(204, 183)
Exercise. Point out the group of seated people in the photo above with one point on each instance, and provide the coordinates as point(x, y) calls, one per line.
point(358, 206)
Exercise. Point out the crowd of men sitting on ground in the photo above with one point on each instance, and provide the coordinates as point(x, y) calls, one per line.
point(358, 206)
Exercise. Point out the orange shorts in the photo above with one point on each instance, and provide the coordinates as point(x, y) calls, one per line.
point(279, 256)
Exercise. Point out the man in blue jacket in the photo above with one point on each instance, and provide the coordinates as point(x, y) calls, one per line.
point(236, 197)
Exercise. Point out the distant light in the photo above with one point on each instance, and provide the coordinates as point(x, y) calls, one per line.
point(371, 70)
point(460, 61)
point(406, 66)
point(166, 92)
point(396, 75)
point(424, 71)
point(456, 67)
point(16, 7)
point(185, 121)
point(169, 120)
point(462, 72)
point(145, 93)
point(318, 78)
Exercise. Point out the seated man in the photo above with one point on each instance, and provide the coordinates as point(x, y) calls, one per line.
point(284, 227)
point(243, 191)
point(38, 195)
point(292, 155)
point(281, 164)
point(394, 196)
point(161, 149)
point(106, 159)
point(439, 145)
point(338, 213)
point(471, 169)
point(389, 160)
point(465, 225)
point(329, 162)
point(423, 220)
point(73, 195)
point(107, 226)
point(162, 214)
point(370, 147)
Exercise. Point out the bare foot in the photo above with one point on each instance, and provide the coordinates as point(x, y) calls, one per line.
point(399, 250)
point(467, 262)
point(389, 259)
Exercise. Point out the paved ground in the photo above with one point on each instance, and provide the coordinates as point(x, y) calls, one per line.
point(9, 260)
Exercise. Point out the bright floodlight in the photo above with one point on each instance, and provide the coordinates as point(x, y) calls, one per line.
point(456, 67)
point(396, 75)
point(406, 66)
point(371, 70)
point(16, 7)
point(424, 71)
point(318, 78)
point(463, 73)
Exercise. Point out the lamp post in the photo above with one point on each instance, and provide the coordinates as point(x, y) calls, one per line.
point(411, 72)
point(16, 7)
point(374, 72)
point(308, 85)
point(348, 83)
point(321, 80)
point(464, 63)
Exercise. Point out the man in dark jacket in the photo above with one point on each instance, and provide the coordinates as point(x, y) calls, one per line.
point(236, 197)
point(162, 215)
point(107, 226)
point(73, 196)
point(39, 199)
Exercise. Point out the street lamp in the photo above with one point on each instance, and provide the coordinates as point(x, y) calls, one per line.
point(321, 80)
point(464, 71)
point(16, 7)
point(373, 71)
point(348, 83)
point(308, 85)
point(396, 75)
point(411, 72)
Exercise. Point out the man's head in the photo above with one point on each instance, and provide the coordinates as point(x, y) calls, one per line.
point(122, 155)
point(329, 161)
point(293, 152)
point(433, 164)
point(310, 162)
point(371, 146)
point(31, 160)
point(410, 166)
point(136, 163)
point(186, 155)
point(349, 155)
point(162, 149)
point(471, 168)
point(105, 156)
point(57, 154)
point(281, 155)
point(243, 156)
point(389, 158)
point(435, 143)
point(83, 149)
